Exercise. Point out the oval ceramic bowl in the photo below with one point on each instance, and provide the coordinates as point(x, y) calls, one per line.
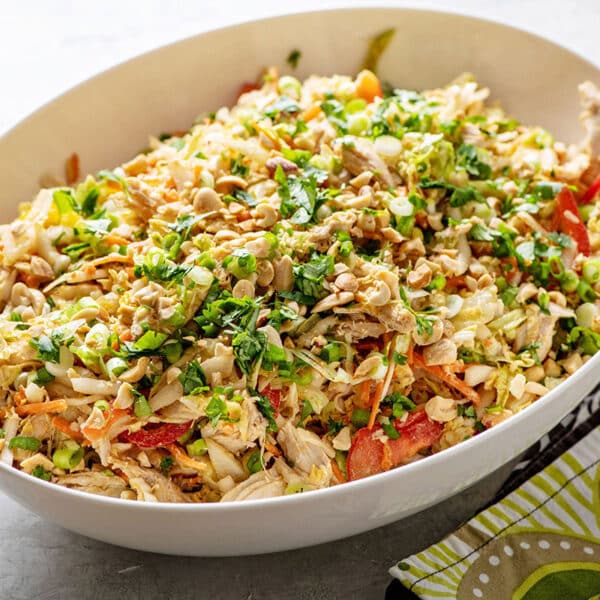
point(107, 120)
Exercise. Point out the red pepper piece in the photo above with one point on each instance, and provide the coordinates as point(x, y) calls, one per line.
point(156, 435)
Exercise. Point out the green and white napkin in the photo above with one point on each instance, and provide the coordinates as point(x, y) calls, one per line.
point(540, 542)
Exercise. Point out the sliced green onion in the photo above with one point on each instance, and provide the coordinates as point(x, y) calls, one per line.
point(585, 314)
point(591, 271)
point(69, 456)
point(437, 283)
point(388, 146)
point(360, 417)
point(141, 408)
point(355, 105)
point(569, 281)
point(585, 211)
point(297, 488)
point(289, 86)
point(24, 442)
point(330, 353)
point(255, 463)
point(173, 352)
point(358, 124)
point(586, 292)
point(197, 448)
point(116, 366)
point(101, 405)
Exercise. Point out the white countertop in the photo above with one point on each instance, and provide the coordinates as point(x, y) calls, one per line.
point(47, 47)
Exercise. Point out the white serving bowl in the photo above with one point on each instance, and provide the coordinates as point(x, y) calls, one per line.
point(107, 119)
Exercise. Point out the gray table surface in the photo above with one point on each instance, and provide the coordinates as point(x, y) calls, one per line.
point(45, 48)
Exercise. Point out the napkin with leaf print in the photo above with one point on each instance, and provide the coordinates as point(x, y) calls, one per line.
point(539, 542)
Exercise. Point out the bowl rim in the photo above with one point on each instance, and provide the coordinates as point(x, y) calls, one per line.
point(375, 481)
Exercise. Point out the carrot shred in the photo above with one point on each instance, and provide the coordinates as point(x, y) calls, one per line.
point(367, 86)
point(274, 450)
point(40, 408)
point(364, 393)
point(410, 353)
point(310, 113)
point(375, 402)
point(113, 238)
point(65, 427)
point(337, 472)
point(183, 459)
point(30, 280)
point(448, 377)
point(93, 434)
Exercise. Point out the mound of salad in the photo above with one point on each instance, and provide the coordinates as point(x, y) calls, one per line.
point(323, 282)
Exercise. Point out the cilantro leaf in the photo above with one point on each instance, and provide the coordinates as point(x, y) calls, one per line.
point(459, 196)
point(283, 105)
point(308, 277)
point(469, 157)
point(293, 57)
point(193, 379)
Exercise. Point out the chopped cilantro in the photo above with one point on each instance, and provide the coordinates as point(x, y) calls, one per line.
point(41, 473)
point(24, 442)
point(469, 157)
point(193, 379)
point(293, 58)
point(390, 431)
point(459, 196)
point(308, 277)
point(283, 105)
point(166, 462)
point(48, 348)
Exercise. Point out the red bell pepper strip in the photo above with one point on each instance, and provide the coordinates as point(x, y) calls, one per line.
point(368, 455)
point(156, 436)
point(274, 397)
point(567, 219)
point(591, 192)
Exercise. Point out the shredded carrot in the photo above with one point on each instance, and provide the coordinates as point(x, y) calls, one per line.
point(20, 397)
point(337, 472)
point(310, 113)
point(40, 408)
point(511, 269)
point(65, 427)
point(113, 238)
point(183, 459)
point(375, 402)
point(448, 377)
point(72, 168)
point(274, 450)
point(367, 86)
point(93, 434)
point(364, 393)
point(32, 281)
point(126, 336)
point(410, 353)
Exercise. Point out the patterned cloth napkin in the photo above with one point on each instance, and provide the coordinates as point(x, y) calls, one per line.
point(541, 541)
